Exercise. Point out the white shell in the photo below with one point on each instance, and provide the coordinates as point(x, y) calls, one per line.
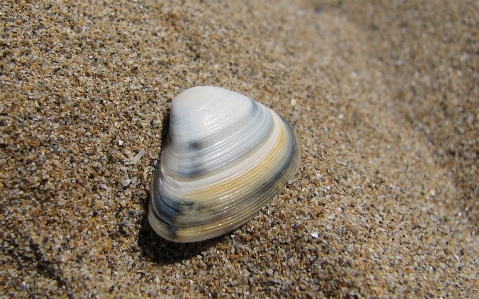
point(225, 158)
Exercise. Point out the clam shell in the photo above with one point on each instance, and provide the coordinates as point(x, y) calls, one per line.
point(225, 158)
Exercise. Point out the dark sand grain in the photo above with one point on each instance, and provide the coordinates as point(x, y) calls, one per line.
point(383, 95)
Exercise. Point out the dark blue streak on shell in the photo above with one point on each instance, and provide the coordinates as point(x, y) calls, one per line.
point(170, 209)
point(197, 168)
point(165, 206)
point(285, 166)
point(172, 229)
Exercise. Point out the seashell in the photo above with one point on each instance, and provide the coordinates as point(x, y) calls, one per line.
point(225, 158)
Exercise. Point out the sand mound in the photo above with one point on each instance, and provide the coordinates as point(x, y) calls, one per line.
point(383, 97)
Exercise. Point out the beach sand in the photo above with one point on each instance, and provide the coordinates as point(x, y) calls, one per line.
point(384, 98)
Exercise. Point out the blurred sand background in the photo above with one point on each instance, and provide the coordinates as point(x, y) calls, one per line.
point(383, 95)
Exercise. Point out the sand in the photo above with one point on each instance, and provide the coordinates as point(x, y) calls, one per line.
point(384, 98)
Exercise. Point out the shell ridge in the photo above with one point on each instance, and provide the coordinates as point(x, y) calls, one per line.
point(232, 156)
point(269, 188)
point(205, 157)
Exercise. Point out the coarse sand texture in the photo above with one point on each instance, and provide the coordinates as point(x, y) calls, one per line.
point(382, 95)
